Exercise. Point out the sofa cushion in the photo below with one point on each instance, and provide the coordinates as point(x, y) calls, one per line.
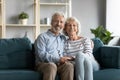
point(97, 45)
point(114, 41)
point(19, 75)
point(107, 74)
point(16, 53)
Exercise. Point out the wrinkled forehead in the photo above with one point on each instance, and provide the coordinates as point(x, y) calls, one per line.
point(71, 22)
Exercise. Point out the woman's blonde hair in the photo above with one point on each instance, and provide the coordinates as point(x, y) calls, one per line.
point(73, 19)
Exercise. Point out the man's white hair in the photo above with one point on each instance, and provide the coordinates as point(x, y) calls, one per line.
point(57, 14)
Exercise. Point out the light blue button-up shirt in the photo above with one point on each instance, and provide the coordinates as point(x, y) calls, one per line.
point(49, 47)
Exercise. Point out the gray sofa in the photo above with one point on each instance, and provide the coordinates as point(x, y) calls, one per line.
point(17, 60)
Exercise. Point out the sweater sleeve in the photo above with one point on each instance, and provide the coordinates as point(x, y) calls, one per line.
point(87, 46)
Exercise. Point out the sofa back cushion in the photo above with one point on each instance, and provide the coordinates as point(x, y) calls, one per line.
point(96, 50)
point(16, 53)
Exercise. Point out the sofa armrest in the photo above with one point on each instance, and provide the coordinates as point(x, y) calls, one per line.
point(110, 56)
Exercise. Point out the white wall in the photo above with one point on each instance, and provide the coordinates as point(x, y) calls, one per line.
point(91, 14)
point(13, 8)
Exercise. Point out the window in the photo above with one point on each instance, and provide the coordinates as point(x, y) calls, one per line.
point(113, 16)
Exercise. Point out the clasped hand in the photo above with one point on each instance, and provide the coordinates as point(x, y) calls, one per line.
point(65, 59)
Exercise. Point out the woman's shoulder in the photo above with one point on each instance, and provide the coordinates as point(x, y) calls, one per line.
point(85, 38)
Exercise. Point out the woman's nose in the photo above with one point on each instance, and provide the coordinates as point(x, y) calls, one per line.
point(71, 27)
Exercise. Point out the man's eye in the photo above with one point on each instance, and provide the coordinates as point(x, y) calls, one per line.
point(55, 21)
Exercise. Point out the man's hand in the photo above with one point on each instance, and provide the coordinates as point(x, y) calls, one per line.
point(65, 59)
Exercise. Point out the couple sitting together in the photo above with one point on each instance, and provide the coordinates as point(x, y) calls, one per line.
point(64, 54)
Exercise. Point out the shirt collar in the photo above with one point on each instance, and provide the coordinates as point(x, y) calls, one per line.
point(49, 32)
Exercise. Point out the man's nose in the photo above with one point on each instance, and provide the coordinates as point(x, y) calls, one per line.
point(58, 23)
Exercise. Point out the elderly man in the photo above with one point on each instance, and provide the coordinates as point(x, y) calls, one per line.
point(49, 47)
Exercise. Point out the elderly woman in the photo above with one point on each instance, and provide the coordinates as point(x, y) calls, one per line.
point(80, 50)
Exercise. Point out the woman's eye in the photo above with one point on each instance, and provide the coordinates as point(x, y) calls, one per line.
point(74, 25)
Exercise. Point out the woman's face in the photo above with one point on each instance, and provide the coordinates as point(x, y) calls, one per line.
point(71, 28)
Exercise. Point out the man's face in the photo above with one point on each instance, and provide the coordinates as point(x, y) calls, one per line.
point(57, 23)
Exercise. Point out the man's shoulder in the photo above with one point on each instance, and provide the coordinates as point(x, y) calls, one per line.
point(43, 34)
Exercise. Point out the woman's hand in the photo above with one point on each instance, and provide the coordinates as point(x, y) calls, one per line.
point(72, 58)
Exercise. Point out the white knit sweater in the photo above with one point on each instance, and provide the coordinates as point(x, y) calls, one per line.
point(83, 45)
